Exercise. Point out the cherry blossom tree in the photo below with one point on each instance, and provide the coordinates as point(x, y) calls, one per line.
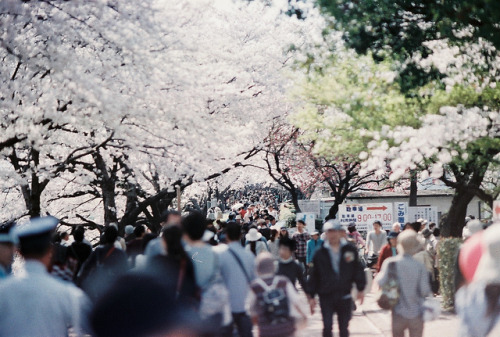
point(460, 146)
point(120, 102)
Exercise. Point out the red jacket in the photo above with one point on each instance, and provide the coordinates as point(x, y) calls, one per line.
point(384, 253)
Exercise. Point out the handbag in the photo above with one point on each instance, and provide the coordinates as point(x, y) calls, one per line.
point(431, 309)
point(388, 295)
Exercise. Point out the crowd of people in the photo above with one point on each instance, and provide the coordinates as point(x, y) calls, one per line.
point(210, 277)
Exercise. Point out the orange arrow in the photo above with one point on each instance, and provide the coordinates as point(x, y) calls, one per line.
point(382, 208)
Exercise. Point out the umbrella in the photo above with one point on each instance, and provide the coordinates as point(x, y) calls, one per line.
point(237, 206)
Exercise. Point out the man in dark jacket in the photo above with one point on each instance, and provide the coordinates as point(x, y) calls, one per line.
point(336, 267)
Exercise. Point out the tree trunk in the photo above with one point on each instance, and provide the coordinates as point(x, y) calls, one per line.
point(332, 212)
point(454, 221)
point(107, 183)
point(413, 188)
point(295, 200)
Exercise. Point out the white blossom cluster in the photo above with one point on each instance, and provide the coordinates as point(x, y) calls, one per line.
point(175, 89)
point(441, 139)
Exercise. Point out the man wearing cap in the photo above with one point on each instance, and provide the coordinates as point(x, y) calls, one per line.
point(37, 304)
point(312, 246)
point(336, 267)
point(7, 247)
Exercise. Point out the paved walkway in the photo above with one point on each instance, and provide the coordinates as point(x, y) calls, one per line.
point(370, 320)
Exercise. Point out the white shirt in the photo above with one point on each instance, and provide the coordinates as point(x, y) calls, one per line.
point(37, 304)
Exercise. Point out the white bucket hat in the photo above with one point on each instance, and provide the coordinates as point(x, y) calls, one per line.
point(253, 235)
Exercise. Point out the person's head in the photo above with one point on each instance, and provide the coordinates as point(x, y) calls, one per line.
point(64, 236)
point(426, 233)
point(193, 225)
point(396, 227)
point(8, 242)
point(423, 224)
point(233, 232)
point(333, 231)
point(146, 238)
point(129, 229)
point(110, 235)
point(286, 248)
point(300, 225)
point(35, 239)
point(408, 243)
point(315, 235)
point(142, 305)
point(274, 234)
point(377, 226)
point(392, 238)
point(170, 217)
point(351, 227)
point(436, 232)
point(415, 226)
point(283, 232)
point(264, 264)
point(408, 226)
point(79, 234)
point(432, 225)
point(139, 231)
point(172, 236)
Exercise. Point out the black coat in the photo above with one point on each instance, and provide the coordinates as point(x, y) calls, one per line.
point(324, 281)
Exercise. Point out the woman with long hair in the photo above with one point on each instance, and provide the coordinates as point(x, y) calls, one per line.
point(175, 267)
point(273, 243)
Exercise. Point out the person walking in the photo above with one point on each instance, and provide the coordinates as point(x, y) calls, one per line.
point(413, 283)
point(312, 246)
point(79, 250)
point(175, 269)
point(104, 265)
point(287, 266)
point(273, 303)
point(374, 242)
point(390, 249)
point(301, 236)
point(273, 242)
point(336, 267)
point(37, 304)
point(254, 242)
point(355, 236)
point(238, 271)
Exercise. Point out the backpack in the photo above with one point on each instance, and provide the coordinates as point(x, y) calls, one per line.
point(274, 310)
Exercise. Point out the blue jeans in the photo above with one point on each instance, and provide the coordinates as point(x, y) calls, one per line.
point(333, 303)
